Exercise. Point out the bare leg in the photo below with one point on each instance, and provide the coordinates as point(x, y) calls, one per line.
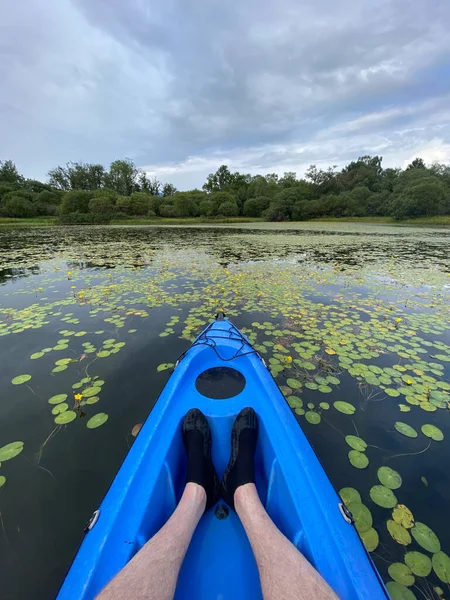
point(153, 572)
point(284, 572)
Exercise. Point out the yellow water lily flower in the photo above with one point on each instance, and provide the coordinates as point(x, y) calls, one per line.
point(78, 397)
point(398, 319)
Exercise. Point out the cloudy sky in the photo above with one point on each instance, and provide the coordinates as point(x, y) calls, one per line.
point(183, 86)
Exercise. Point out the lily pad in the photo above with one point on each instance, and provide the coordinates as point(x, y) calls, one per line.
point(59, 368)
point(37, 355)
point(325, 389)
point(66, 417)
point(370, 539)
point(426, 537)
point(97, 420)
point(419, 563)
point(401, 573)
point(164, 367)
point(57, 399)
point(311, 385)
point(432, 432)
point(92, 391)
point(349, 495)
point(60, 408)
point(361, 515)
point(397, 591)
point(405, 429)
point(344, 407)
point(398, 533)
point(92, 400)
point(403, 516)
point(2, 480)
point(383, 496)
point(10, 451)
point(389, 477)
point(294, 384)
point(356, 442)
point(21, 379)
point(358, 459)
point(313, 417)
point(441, 566)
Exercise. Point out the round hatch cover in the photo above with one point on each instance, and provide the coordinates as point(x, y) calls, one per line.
point(220, 383)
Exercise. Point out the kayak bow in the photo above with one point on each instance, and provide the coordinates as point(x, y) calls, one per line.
point(221, 374)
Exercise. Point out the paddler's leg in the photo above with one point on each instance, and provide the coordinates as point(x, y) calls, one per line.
point(153, 572)
point(284, 572)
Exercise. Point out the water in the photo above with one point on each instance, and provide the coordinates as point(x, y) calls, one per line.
point(333, 297)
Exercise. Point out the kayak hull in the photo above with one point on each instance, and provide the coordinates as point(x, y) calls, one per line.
point(291, 482)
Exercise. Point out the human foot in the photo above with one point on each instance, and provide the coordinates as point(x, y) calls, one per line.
point(241, 468)
point(200, 468)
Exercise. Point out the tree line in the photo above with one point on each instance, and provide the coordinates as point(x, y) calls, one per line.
point(89, 193)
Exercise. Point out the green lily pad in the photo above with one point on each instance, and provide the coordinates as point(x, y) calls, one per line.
point(324, 405)
point(426, 537)
point(59, 368)
point(10, 450)
point(401, 573)
point(361, 515)
point(21, 379)
point(37, 355)
point(103, 353)
point(2, 480)
point(349, 495)
point(398, 533)
point(294, 402)
point(65, 417)
point(293, 383)
point(370, 539)
point(403, 516)
point(131, 331)
point(325, 389)
point(356, 442)
point(311, 385)
point(441, 566)
point(97, 420)
point(164, 367)
point(358, 459)
point(57, 399)
point(91, 391)
point(389, 477)
point(60, 408)
point(344, 407)
point(392, 392)
point(383, 496)
point(419, 564)
point(313, 417)
point(63, 361)
point(92, 400)
point(432, 432)
point(333, 380)
point(405, 429)
point(397, 591)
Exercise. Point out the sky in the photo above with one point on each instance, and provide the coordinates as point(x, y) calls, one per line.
point(183, 86)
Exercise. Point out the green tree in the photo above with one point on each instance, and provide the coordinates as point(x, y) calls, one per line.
point(9, 173)
point(18, 207)
point(417, 163)
point(123, 177)
point(75, 201)
point(101, 205)
point(228, 209)
point(254, 207)
point(206, 208)
point(169, 189)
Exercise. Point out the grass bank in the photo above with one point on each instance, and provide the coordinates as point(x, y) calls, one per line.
point(442, 221)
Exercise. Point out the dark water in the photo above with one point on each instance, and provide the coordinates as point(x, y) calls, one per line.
point(141, 278)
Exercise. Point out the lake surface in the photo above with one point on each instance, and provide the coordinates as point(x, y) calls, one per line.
point(352, 319)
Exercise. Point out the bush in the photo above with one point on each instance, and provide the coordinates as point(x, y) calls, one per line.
point(101, 205)
point(167, 210)
point(77, 218)
point(277, 211)
point(151, 214)
point(228, 209)
point(137, 204)
point(206, 208)
point(76, 201)
point(254, 207)
point(18, 207)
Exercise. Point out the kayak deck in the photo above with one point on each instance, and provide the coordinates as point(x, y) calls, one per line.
point(290, 480)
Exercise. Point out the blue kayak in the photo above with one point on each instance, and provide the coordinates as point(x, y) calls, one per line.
point(221, 374)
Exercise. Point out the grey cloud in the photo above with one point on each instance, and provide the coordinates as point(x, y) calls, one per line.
point(167, 81)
